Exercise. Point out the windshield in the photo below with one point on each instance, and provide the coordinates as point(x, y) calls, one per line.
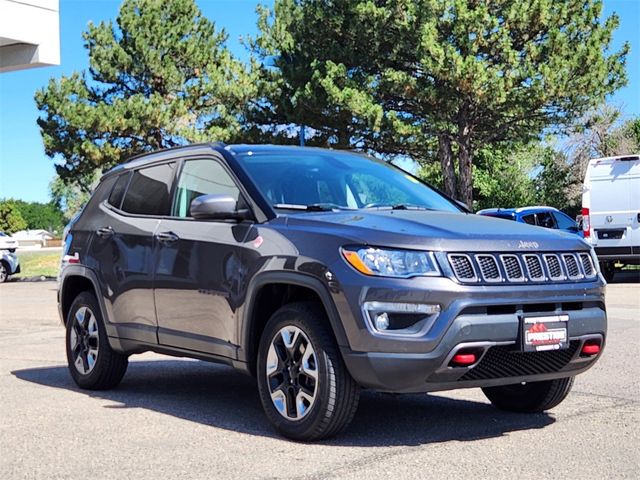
point(325, 180)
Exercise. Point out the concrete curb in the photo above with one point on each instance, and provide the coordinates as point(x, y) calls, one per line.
point(41, 278)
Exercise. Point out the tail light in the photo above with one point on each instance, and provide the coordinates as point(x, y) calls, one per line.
point(586, 223)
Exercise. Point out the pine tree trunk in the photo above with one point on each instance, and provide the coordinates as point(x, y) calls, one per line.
point(465, 166)
point(446, 162)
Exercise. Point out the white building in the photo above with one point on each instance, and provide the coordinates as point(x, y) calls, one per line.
point(32, 238)
point(29, 34)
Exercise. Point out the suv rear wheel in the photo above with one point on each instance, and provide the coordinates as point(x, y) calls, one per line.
point(305, 388)
point(530, 397)
point(92, 363)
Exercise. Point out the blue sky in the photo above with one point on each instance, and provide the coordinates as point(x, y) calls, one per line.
point(25, 171)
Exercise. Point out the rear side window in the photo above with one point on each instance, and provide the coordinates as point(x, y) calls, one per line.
point(530, 219)
point(115, 199)
point(149, 190)
point(564, 222)
point(546, 220)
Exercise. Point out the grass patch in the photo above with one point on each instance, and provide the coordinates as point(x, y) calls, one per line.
point(36, 264)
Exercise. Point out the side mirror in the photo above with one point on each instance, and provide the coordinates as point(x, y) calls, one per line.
point(216, 207)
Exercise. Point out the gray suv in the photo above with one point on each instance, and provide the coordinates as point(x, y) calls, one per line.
point(322, 272)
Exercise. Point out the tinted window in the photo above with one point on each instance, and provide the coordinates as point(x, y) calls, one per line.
point(149, 190)
point(201, 177)
point(117, 193)
point(564, 222)
point(346, 180)
point(530, 219)
point(545, 219)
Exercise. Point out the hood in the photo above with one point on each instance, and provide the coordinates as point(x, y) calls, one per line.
point(438, 231)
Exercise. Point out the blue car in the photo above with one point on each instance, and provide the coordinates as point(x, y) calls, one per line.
point(547, 217)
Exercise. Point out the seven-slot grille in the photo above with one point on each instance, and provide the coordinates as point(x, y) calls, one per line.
point(522, 267)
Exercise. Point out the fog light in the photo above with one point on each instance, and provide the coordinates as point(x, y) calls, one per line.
point(400, 318)
point(382, 321)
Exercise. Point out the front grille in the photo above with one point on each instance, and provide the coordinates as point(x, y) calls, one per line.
point(587, 266)
point(516, 267)
point(553, 267)
point(462, 267)
point(534, 267)
point(503, 362)
point(489, 268)
point(512, 268)
point(571, 265)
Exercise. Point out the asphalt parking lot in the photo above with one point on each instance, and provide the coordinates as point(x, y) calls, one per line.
point(174, 418)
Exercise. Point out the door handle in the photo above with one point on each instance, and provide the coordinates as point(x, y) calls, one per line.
point(105, 232)
point(167, 237)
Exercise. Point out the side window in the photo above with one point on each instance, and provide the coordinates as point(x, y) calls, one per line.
point(201, 177)
point(149, 190)
point(545, 219)
point(564, 222)
point(117, 194)
point(530, 219)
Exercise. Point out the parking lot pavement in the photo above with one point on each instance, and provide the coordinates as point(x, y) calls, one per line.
point(174, 418)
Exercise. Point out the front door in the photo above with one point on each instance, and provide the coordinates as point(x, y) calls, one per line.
point(199, 269)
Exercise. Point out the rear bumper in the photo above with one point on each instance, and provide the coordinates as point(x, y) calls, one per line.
point(628, 255)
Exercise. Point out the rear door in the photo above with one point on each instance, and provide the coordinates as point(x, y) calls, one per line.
point(123, 248)
point(611, 213)
point(634, 195)
point(200, 269)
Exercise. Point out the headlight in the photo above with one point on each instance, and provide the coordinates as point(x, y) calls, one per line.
point(391, 263)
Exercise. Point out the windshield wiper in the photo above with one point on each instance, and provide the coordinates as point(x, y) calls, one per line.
point(398, 206)
point(313, 207)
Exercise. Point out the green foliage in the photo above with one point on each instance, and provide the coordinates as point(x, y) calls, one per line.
point(11, 220)
point(36, 215)
point(159, 76)
point(69, 197)
point(391, 75)
point(503, 178)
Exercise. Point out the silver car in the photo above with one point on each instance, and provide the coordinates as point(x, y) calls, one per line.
point(9, 265)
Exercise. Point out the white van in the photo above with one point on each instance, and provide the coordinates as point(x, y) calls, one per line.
point(611, 211)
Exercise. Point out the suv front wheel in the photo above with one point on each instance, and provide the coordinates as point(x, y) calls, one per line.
point(305, 388)
point(531, 397)
point(93, 364)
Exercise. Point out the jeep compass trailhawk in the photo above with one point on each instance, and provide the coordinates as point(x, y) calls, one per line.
point(321, 272)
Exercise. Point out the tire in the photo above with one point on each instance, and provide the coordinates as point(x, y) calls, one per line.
point(93, 364)
point(531, 397)
point(4, 271)
point(326, 396)
point(608, 270)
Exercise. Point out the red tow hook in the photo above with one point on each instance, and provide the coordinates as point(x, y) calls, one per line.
point(590, 348)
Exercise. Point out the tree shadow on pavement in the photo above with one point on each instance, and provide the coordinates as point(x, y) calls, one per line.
point(217, 396)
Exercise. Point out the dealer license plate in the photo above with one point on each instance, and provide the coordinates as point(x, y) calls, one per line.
point(549, 332)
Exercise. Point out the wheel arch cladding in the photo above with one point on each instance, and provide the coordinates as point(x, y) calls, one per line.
point(73, 286)
point(272, 292)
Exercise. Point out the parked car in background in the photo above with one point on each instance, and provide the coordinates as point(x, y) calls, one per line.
point(547, 217)
point(9, 265)
point(7, 242)
point(611, 211)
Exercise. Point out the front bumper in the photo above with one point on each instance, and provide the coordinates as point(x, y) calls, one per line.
point(482, 315)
